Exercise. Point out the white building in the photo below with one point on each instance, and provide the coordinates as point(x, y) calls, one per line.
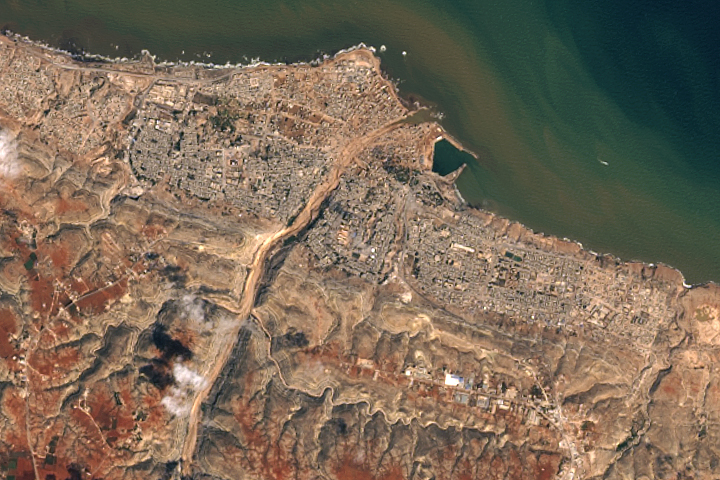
point(453, 380)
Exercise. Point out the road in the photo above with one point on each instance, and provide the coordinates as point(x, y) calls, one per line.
point(264, 250)
point(257, 268)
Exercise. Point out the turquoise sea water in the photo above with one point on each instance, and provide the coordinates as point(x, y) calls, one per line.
point(593, 120)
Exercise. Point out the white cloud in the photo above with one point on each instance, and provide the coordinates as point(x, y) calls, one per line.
point(181, 395)
point(9, 163)
point(177, 402)
point(226, 325)
point(192, 308)
point(188, 378)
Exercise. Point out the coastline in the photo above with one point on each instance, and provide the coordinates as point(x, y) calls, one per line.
point(86, 57)
point(263, 268)
point(89, 58)
point(629, 262)
point(496, 102)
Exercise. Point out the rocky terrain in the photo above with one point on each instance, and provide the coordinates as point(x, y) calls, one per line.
point(216, 274)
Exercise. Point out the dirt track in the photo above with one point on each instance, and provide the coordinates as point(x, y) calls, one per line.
point(257, 268)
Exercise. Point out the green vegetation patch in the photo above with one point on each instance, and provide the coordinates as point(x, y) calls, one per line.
point(30, 264)
point(226, 117)
point(704, 314)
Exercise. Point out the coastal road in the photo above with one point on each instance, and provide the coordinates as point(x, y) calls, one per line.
point(344, 158)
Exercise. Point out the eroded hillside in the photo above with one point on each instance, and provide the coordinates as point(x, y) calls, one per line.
point(253, 273)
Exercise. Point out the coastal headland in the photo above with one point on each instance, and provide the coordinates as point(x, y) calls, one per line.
point(253, 272)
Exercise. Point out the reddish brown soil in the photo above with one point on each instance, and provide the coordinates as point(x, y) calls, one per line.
point(153, 232)
point(546, 467)
point(8, 326)
point(69, 205)
point(60, 257)
point(24, 470)
point(41, 294)
point(99, 300)
point(116, 421)
point(14, 434)
point(349, 469)
point(263, 456)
